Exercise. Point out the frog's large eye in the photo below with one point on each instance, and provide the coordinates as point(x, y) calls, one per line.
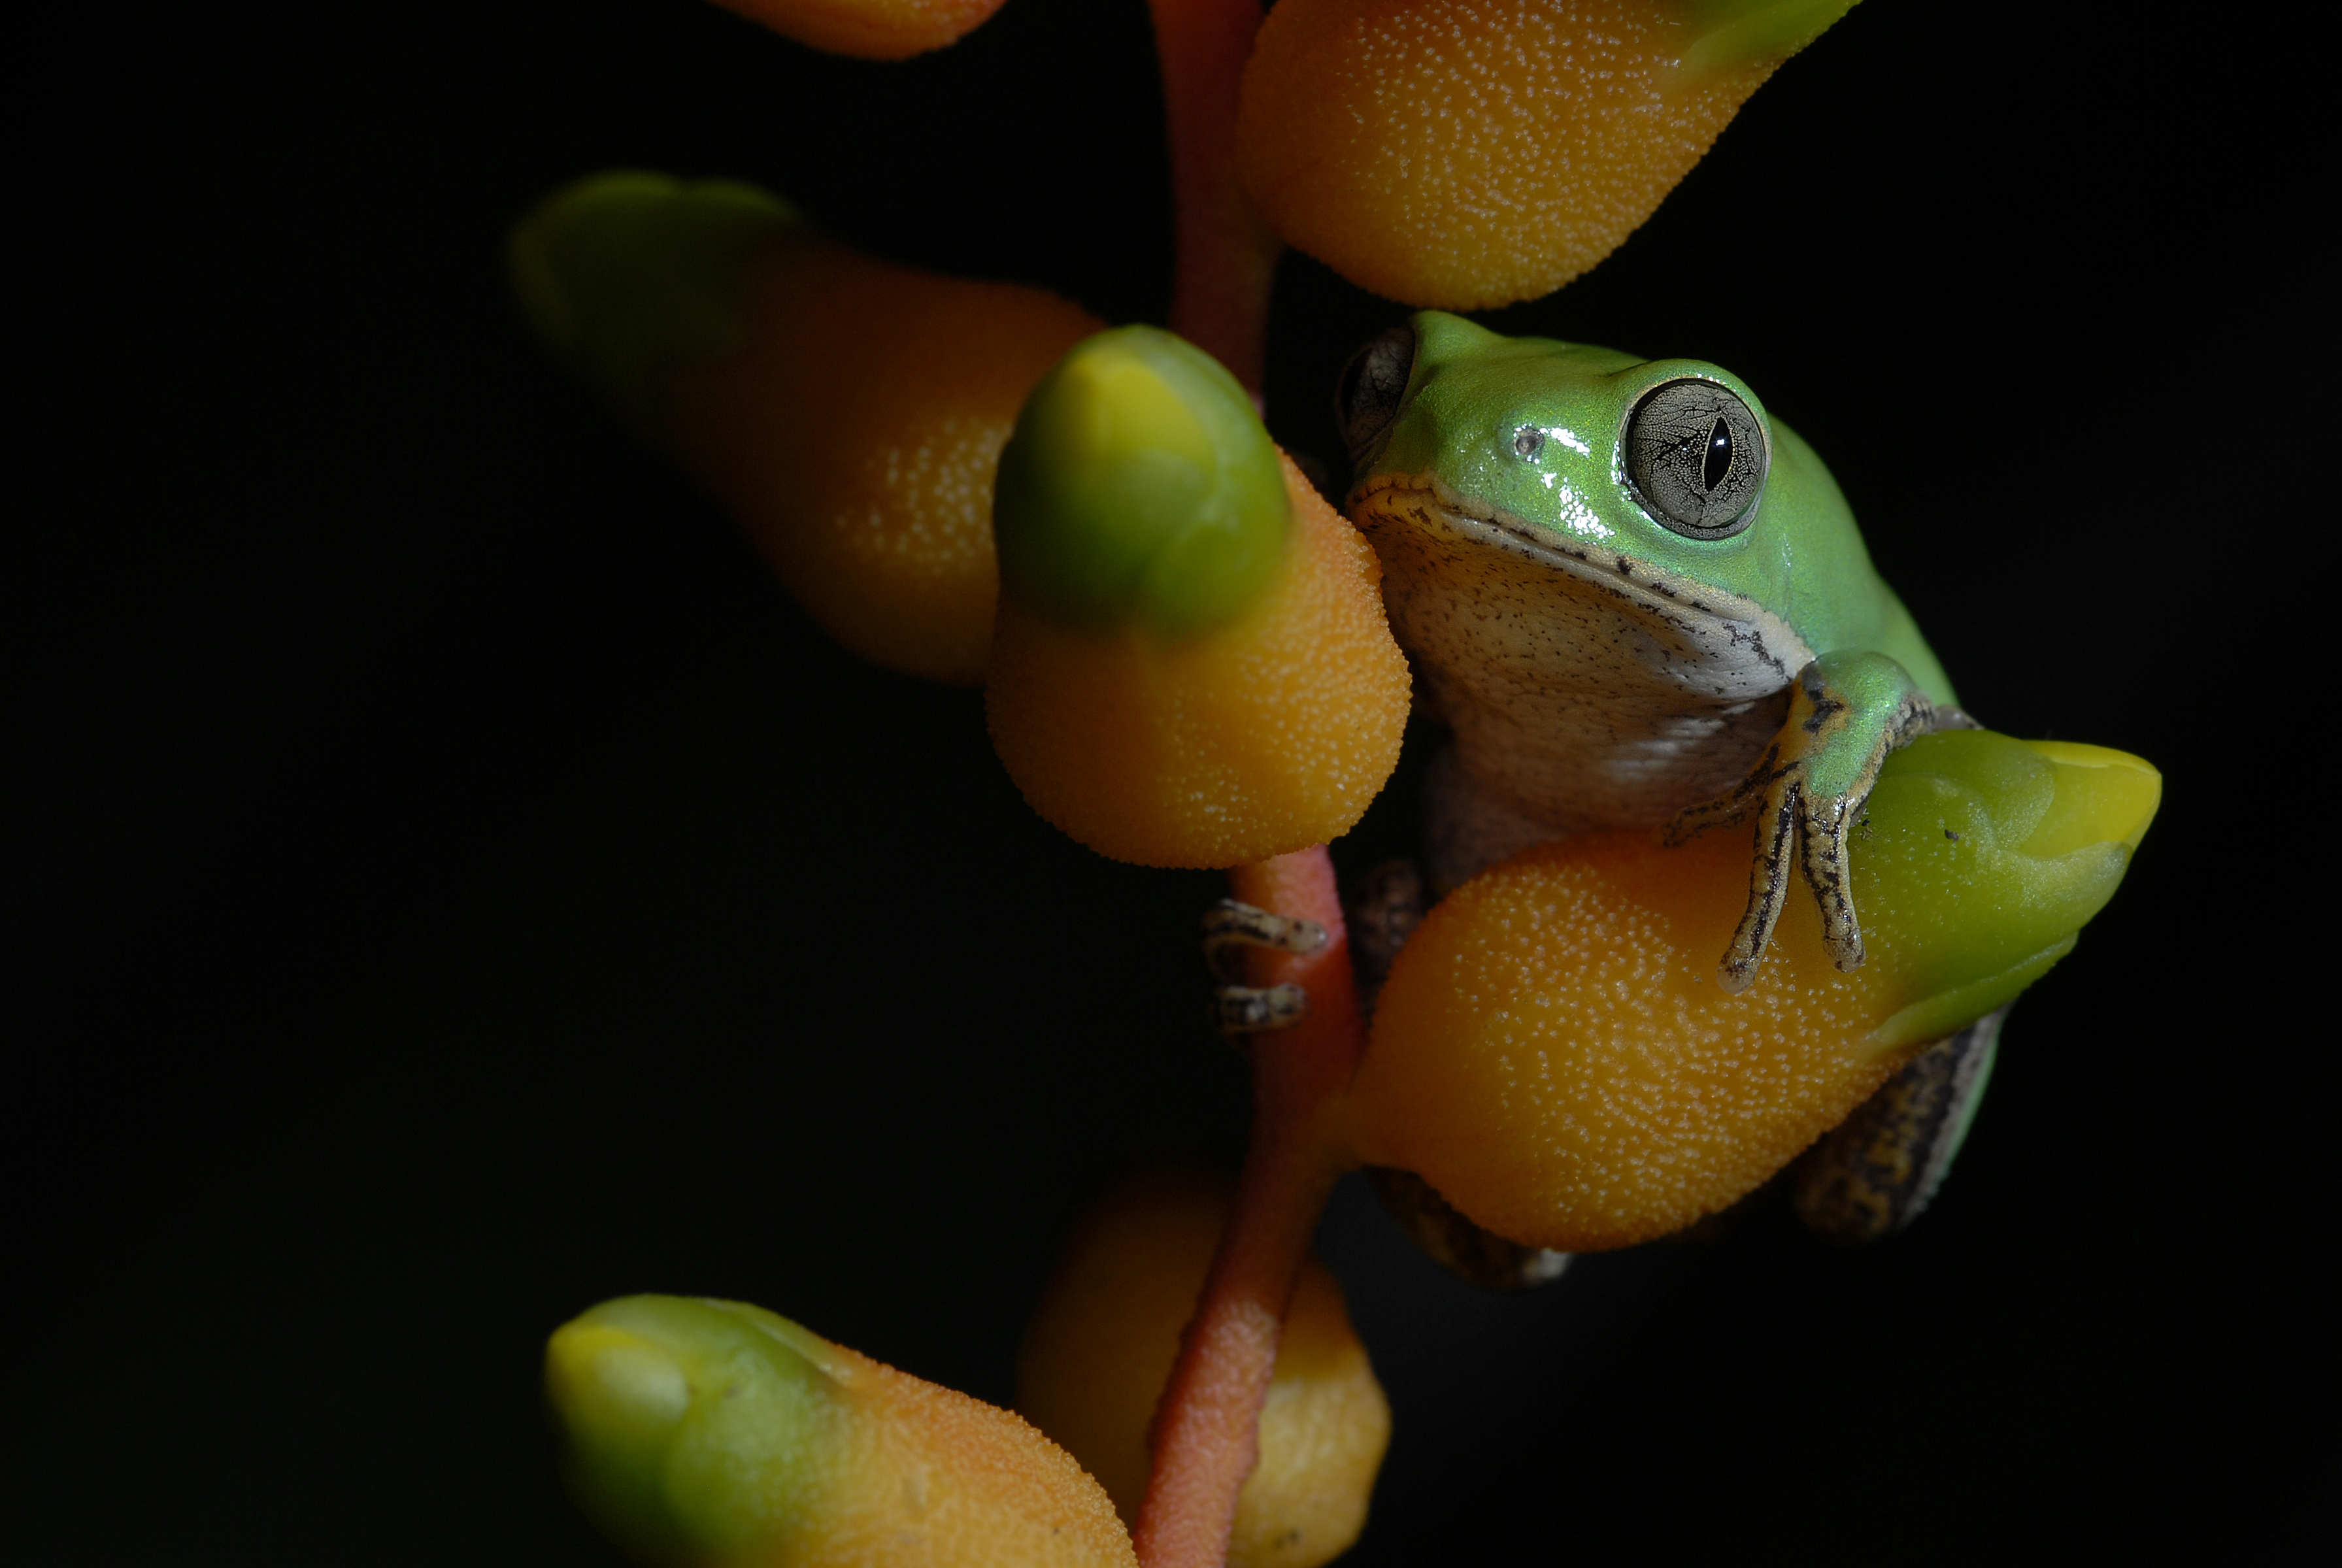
point(1367, 398)
point(1696, 456)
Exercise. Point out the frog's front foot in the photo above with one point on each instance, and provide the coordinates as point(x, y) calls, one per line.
point(1239, 1009)
point(1846, 711)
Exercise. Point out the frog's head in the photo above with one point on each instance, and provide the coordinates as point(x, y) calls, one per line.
point(1665, 469)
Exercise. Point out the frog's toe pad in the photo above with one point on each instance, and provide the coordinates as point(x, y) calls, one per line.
point(1247, 1009)
point(1229, 926)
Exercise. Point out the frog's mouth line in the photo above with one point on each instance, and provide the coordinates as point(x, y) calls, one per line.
point(1422, 501)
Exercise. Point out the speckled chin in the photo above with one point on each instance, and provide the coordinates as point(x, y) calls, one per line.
point(1586, 689)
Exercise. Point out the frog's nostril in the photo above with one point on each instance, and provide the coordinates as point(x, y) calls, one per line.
point(1527, 441)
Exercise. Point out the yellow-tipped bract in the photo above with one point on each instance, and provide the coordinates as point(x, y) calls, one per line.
point(1465, 153)
point(715, 1435)
point(850, 412)
point(1553, 1053)
point(1262, 735)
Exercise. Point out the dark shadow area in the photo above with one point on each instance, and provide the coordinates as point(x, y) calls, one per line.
point(449, 884)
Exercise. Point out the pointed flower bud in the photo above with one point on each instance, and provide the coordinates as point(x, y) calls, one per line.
point(627, 274)
point(1139, 488)
point(720, 1435)
point(1552, 1054)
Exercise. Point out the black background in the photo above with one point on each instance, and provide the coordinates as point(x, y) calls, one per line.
point(449, 884)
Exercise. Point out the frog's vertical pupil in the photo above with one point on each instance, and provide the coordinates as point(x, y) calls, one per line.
point(1720, 457)
point(1696, 455)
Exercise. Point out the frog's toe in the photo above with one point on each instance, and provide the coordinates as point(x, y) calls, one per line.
point(1823, 834)
point(1876, 1173)
point(1747, 796)
point(1248, 1009)
point(1812, 833)
point(1228, 928)
point(1768, 888)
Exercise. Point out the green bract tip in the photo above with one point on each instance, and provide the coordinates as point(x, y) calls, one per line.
point(625, 274)
point(1732, 32)
point(690, 1429)
point(1139, 487)
point(1979, 859)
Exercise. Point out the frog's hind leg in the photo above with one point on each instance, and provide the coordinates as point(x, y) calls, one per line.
point(1876, 1173)
point(1472, 1254)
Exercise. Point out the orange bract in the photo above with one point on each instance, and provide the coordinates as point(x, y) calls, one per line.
point(857, 437)
point(941, 1479)
point(1258, 738)
point(721, 1436)
point(869, 29)
point(1465, 153)
point(1101, 1345)
point(1553, 1053)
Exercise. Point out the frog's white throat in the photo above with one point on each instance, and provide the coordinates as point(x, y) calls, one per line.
point(1424, 502)
point(1586, 689)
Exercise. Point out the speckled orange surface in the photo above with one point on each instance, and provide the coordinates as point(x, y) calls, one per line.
point(1553, 1053)
point(1101, 1341)
point(801, 1454)
point(869, 29)
point(857, 438)
point(1469, 153)
point(1258, 738)
point(951, 1482)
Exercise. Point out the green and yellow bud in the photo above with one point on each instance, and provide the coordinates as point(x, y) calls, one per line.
point(1139, 487)
point(848, 412)
point(1552, 1051)
point(716, 1434)
point(1191, 665)
point(1732, 33)
point(626, 275)
point(1466, 154)
point(1980, 860)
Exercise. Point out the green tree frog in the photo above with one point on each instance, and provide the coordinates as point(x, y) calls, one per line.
point(1634, 599)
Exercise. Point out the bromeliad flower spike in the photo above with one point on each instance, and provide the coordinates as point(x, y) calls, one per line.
point(1721, 881)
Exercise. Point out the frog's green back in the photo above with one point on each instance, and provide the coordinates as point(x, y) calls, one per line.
point(1831, 594)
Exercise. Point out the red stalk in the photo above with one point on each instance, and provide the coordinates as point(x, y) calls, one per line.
point(1207, 1426)
point(1205, 1436)
point(1225, 258)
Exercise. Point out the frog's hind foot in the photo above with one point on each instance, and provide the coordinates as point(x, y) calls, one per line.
point(1472, 1254)
point(1876, 1173)
point(1846, 712)
point(1746, 799)
point(1229, 927)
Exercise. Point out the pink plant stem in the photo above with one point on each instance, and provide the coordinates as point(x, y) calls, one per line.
point(1225, 258)
point(1205, 1436)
